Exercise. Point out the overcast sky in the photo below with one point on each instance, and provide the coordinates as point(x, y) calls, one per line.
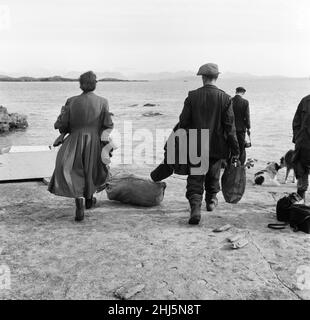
point(263, 37)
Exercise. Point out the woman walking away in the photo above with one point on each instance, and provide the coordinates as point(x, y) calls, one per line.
point(79, 170)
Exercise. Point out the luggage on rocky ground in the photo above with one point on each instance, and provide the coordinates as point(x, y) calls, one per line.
point(291, 212)
point(131, 189)
point(300, 218)
point(284, 204)
point(233, 183)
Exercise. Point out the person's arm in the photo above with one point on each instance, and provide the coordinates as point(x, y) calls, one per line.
point(62, 123)
point(107, 123)
point(185, 116)
point(297, 121)
point(247, 116)
point(228, 122)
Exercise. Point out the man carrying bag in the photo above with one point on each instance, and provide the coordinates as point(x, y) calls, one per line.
point(209, 108)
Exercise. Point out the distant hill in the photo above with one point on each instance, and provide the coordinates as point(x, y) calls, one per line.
point(56, 79)
point(118, 77)
point(119, 80)
point(191, 75)
point(112, 80)
point(33, 79)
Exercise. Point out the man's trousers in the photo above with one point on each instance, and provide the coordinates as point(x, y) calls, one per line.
point(209, 182)
point(241, 142)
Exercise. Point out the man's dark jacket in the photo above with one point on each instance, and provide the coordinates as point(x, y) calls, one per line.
point(301, 124)
point(211, 108)
point(242, 113)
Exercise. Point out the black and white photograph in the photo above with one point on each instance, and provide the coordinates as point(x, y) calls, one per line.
point(155, 150)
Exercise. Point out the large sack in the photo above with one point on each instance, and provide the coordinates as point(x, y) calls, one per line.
point(131, 189)
point(300, 218)
point(233, 183)
point(284, 204)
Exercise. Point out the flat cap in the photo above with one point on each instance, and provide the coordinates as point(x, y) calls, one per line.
point(240, 89)
point(208, 69)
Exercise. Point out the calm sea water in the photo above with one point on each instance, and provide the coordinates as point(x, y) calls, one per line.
point(273, 103)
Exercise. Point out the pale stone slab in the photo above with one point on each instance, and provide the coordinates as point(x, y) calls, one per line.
point(27, 162)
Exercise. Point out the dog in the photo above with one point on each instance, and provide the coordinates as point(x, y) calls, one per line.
point(287, 162)
point(270, 171)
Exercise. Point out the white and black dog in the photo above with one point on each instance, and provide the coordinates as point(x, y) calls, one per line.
point(270, 171)
point(287, 162)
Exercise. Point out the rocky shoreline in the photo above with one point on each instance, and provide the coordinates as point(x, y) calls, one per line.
point(11, 121)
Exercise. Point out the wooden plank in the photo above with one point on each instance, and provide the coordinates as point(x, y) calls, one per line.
point(24, 165)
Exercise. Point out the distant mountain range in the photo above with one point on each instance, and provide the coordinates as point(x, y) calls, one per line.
point(4, 78)
point(33, 79)
point(190, 75)
point(117, 76)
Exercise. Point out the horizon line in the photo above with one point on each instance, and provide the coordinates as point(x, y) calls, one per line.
point(121, 76)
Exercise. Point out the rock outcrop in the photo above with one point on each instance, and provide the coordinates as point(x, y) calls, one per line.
point(11, 121)
point(151, 114)
point(149, 105)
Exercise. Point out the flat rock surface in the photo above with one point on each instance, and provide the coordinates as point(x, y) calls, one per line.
point(50, 256)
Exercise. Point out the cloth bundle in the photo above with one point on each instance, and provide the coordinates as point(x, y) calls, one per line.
point(131, 189)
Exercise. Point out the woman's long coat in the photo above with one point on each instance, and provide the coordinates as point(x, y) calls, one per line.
point(79, 170)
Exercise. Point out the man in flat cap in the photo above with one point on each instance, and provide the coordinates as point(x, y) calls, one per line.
point(301, 138)
point(242, 120)
point(209, 108)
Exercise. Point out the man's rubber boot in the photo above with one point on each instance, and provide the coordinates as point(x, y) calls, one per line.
point(79, 212)
point(195, 203)
point(89, 203)
point(212, 203)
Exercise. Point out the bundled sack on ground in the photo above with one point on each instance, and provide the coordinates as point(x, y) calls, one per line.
point(131, 189)
point(233, 182)
point(292, 212)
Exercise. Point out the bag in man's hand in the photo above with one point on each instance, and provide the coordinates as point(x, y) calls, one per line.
point(233, 182)
point(131, 189)
point(248, 143)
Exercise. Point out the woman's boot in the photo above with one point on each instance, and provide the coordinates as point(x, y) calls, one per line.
point(79, 212)
point(89, 203)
